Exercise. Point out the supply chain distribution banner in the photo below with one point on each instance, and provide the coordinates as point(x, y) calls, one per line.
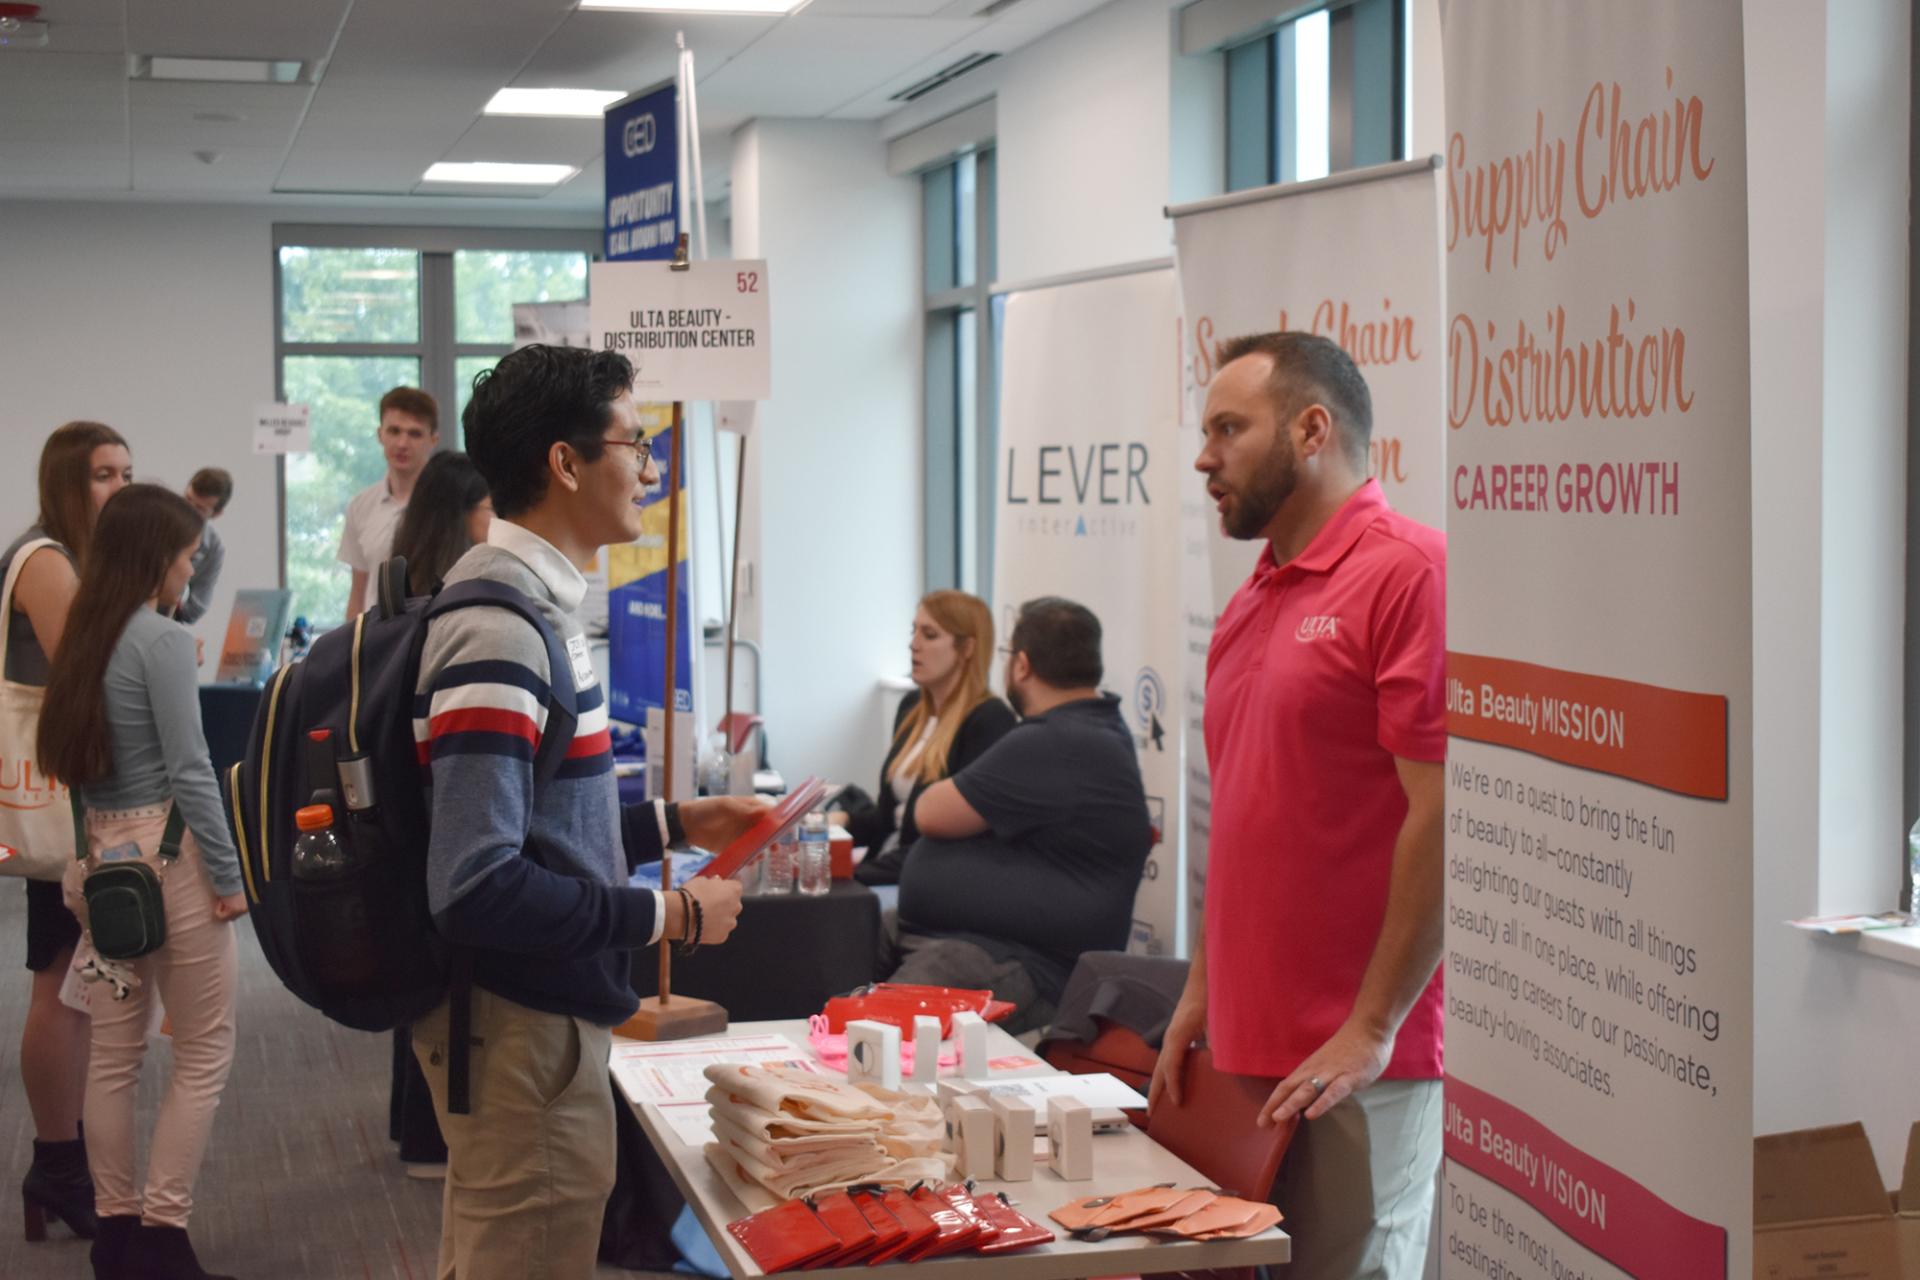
point(1358, 263)
point(1091, 454)
point(1599, 819)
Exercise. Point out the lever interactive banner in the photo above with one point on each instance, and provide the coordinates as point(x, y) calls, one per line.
point(1090, 458)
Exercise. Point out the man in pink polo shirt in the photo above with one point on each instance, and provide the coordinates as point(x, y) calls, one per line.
point(1318, 965)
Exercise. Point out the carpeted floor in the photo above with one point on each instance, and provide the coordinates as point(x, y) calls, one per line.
point(300, 1181)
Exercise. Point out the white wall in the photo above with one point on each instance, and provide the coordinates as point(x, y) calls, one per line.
point(1103, 123)
point(831, 523)
point(1837, 1033)
point(156, 318)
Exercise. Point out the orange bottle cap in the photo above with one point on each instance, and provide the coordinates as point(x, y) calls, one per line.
point(315, 817)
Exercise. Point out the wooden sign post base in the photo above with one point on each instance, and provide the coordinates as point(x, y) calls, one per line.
point(676, 1018)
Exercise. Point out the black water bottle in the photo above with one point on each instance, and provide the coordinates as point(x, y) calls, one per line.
point(332, 920)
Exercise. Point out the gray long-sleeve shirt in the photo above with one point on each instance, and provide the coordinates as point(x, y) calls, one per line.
point(159, 748)
point(208, 557)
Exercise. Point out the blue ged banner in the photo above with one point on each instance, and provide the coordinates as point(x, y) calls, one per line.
point(642, 161)
point(637, 596)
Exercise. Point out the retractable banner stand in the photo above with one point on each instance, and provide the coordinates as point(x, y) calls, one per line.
point(642, 161)
point(1090, 458)
point(1355, 259)
point(1599, 881)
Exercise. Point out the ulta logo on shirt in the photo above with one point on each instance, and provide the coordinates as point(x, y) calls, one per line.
point(1325, 626)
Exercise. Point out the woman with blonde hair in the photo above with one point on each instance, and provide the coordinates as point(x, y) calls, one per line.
point(946, 723)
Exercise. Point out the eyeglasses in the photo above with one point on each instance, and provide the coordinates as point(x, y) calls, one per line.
point(642, 449)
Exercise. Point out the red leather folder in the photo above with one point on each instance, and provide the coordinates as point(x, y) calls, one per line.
point(953, 1213)
point(752, 842)
point(1009, 1229)
point(843, 1217)
point(919, 1227)
point(785, 1236)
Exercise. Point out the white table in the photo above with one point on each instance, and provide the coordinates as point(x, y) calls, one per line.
point(1122, 1162)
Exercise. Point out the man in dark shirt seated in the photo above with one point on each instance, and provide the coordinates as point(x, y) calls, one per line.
point(1031, 854)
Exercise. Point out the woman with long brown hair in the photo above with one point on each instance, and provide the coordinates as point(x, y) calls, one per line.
point(82, 464)
point(946, 723)
point(449, 512)
point(129, 741)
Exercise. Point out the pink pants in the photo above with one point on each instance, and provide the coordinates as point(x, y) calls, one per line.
point(194, 976)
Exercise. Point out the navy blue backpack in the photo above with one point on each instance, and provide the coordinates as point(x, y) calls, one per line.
point(337, 728)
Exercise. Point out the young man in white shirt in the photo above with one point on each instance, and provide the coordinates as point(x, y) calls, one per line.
point(409, 433)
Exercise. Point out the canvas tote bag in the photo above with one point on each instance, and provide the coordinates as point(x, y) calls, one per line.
point(36, 822)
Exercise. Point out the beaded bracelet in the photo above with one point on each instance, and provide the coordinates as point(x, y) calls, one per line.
point(691, 922)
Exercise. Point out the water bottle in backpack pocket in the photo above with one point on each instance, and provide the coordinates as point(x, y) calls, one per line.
point(336, 907)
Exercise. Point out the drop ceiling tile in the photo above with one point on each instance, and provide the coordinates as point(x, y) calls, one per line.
point(875, 8)
point(233, 28)
point(808, 68)
point(85, 26)
point(525, 140)
point(31, 166)
point(27, 74)
point(597, 49)
point(226, 116)
point(173, 169)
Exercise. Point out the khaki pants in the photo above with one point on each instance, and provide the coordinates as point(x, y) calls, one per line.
point(194, 975)
point(1357, 1185)
point(530, 1168)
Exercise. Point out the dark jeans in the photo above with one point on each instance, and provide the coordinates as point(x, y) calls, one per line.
point(937, 961)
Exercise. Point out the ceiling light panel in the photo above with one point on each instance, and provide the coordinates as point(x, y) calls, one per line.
point(494, 173)
point(222, 70)
point(583, 103)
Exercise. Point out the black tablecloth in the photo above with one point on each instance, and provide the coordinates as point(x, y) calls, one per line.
point(226, 713)
point(789, 954)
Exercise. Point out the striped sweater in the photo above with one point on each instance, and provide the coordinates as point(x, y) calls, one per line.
point(534, 879)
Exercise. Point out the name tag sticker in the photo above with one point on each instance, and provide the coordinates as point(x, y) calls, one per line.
point(128, 852)
point(582, 660)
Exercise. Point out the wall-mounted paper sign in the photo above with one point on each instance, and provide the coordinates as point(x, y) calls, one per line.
point(697, 334)
point(736, 416)
point(281, 428)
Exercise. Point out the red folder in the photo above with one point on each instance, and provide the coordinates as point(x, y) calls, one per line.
point(752, 842)
point(785, 1236)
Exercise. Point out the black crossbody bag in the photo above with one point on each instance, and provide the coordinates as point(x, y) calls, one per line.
point(126, 911)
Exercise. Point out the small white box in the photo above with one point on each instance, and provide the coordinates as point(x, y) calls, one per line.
point(926, 1049)
point(873, 1053)
point(1070, 1139)
point(970, 1136)
point(1013, 1138)
point(970, 1034)
point(948, 1088)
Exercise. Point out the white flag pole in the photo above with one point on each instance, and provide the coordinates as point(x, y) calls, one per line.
point(697, 216)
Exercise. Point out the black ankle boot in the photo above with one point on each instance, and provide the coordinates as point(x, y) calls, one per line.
point(112, 1244)
point(58, 1184)
point(164, 1253)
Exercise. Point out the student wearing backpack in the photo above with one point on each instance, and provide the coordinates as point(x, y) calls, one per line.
point(82, 464)
point(531, 878)
point(129, 742)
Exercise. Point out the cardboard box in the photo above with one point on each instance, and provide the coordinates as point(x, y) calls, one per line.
point(1819, 1209)
point(1906, 1204)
